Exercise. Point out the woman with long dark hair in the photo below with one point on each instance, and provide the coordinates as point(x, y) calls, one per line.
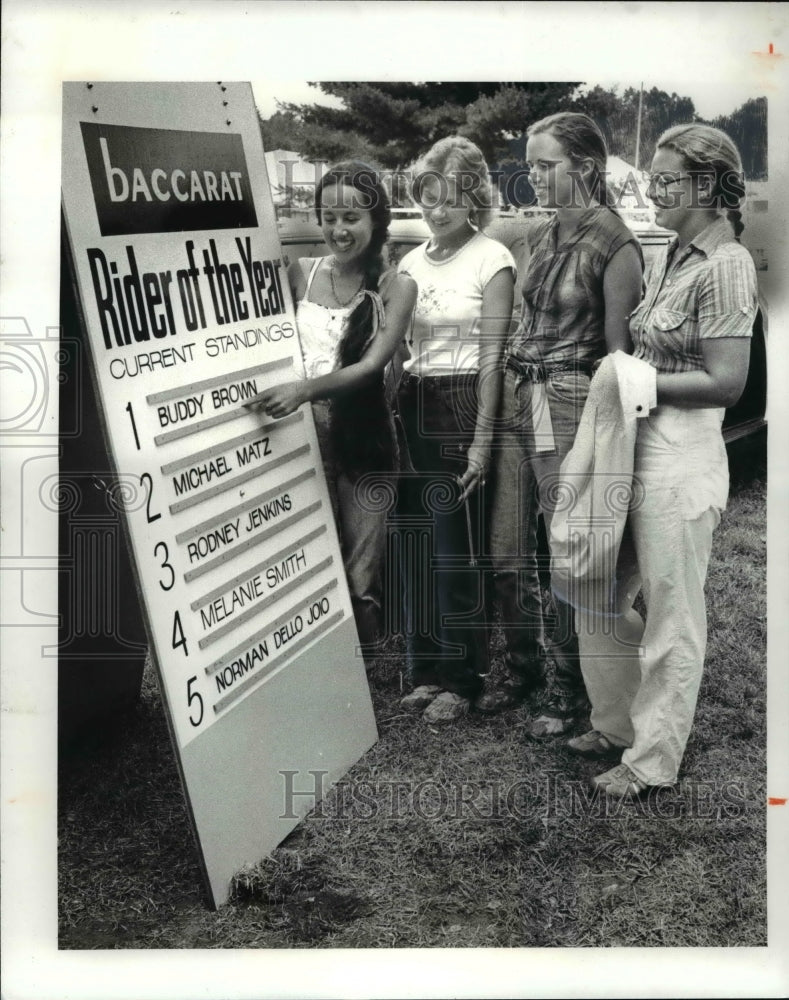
point(352, 314)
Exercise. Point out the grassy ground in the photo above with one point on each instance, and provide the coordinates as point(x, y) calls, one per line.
point(461, 836)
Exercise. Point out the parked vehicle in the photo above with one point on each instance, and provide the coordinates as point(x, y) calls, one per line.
point(300, 236)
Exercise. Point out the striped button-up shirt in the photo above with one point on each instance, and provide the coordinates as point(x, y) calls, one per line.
point(705, 290)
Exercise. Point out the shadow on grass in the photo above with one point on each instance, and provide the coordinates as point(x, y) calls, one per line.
point(748, 460)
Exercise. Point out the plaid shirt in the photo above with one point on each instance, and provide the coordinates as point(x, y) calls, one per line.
point(705, 290)
point(563, 307)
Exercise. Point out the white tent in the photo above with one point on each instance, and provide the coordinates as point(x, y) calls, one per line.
point(631, 184)
point(619, 168)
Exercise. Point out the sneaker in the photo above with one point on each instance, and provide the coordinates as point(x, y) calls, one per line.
point(620, 783)
point(593, 744)
point(560, 713)
point(420, 697)
point(447, 707)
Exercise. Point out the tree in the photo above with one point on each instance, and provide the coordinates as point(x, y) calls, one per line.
point(660, 111)
point(372, 125)
point(493, 120)
point(747, 126)
point(604, 107)
point(281, 131)
point(390, 125)
point(395, 123)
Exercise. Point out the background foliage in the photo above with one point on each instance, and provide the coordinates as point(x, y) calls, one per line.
point(391, 124)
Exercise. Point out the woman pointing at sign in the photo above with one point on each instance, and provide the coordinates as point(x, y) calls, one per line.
point(352, 314)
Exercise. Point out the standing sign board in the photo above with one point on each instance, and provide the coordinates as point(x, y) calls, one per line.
point(187, 311)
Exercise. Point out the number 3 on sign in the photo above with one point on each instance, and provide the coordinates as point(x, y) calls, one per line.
point(191, 697)
point(165, 565)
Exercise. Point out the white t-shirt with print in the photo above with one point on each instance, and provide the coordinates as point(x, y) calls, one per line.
point(449, 304)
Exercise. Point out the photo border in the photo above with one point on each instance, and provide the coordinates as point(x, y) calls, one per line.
point(49, 42)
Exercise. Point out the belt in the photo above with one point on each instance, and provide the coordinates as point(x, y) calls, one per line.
point(436, 381)
point(543, 371)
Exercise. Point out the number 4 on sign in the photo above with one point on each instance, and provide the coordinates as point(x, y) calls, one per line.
point(179, 639)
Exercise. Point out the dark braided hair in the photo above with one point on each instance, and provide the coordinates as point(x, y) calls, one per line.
point(708, 150)
point(361, 430)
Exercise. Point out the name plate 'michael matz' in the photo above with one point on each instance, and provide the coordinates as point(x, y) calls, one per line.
point(188, 314)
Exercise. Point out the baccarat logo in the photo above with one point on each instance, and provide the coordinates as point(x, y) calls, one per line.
point(149, 180)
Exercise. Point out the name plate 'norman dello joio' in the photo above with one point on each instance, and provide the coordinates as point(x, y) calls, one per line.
point(187, 313)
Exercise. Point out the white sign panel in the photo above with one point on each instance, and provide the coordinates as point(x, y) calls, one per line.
point(188, 314)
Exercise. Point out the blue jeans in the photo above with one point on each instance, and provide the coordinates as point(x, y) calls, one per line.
point(441, 537)
point(528, 453)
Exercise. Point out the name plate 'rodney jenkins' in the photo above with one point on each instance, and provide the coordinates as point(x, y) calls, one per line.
point(188, 315)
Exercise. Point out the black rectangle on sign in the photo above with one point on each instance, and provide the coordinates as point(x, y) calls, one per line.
point(152, 180)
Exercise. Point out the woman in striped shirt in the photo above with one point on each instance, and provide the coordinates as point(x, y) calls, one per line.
point(693, 327)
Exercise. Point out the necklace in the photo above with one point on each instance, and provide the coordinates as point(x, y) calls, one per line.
point(337, 298)
point(442, 254)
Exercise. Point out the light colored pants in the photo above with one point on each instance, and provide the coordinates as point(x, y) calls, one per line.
point(643, 679)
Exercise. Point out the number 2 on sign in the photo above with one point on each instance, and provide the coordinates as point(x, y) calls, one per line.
point(146, 476)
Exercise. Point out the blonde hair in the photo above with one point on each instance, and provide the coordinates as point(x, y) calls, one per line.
point(708, 150)
point(458, 158)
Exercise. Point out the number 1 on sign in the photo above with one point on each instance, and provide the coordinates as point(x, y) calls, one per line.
point(130, 411)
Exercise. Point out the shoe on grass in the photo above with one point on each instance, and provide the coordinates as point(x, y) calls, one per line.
point(620, 783)
point(509, 694)
point(559, 714)
point(420, 697)
point(594, 744)
point(447, 707)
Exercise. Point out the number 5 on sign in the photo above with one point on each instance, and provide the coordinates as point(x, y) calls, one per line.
point(238, 564)
point(195, 701)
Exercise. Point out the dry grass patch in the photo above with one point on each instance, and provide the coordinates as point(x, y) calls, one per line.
point(463, 836)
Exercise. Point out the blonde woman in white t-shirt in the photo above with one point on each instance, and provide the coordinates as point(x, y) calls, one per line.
point(447, 401)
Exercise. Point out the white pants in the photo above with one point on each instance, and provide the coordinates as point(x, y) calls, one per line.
point(643, 678)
